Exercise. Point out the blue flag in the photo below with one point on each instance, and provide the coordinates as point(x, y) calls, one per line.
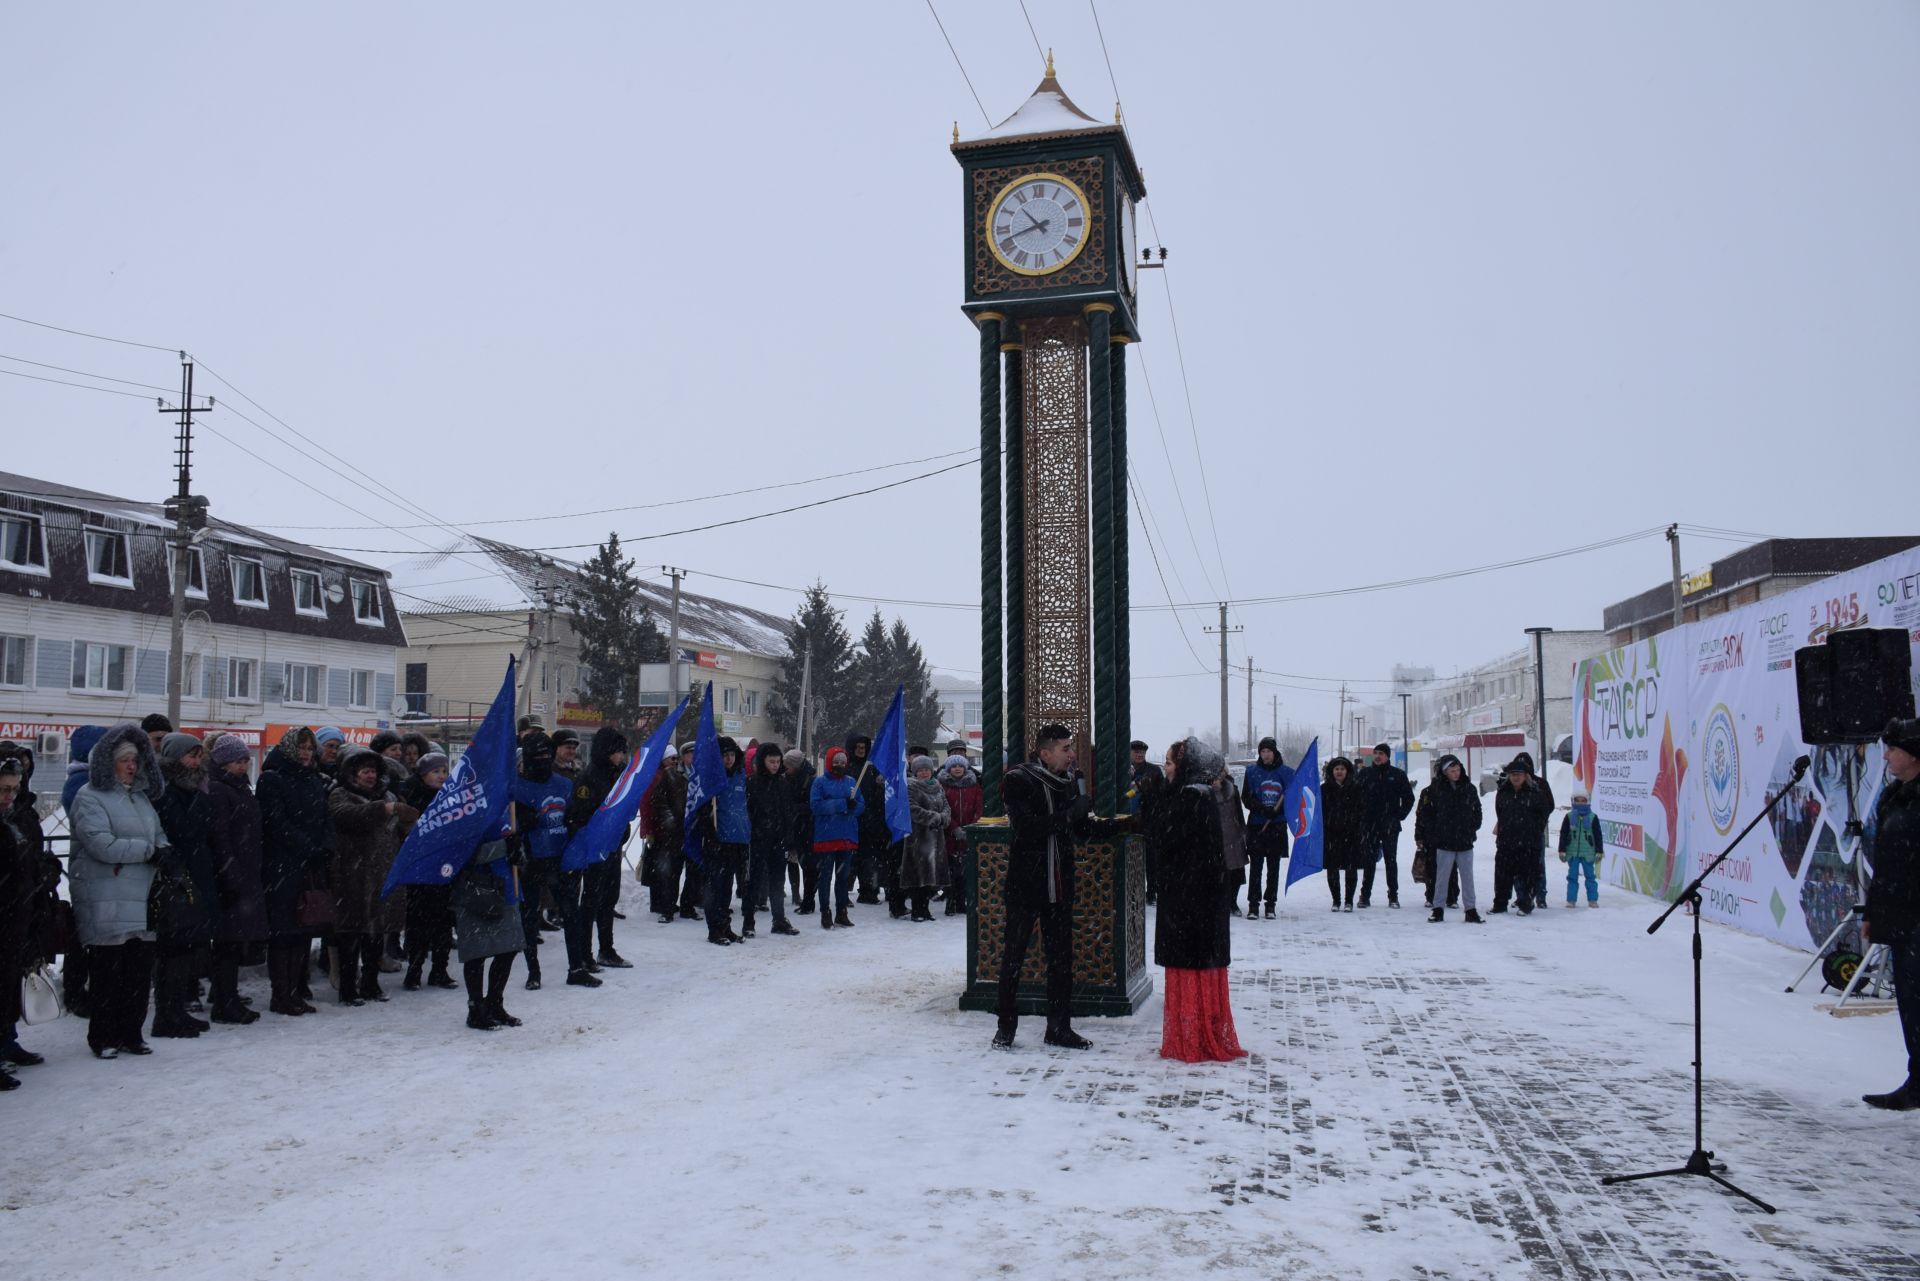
point(705, 781)
point(602, 833)
point(471, 807)
point(1303, 819)
point(890, 759)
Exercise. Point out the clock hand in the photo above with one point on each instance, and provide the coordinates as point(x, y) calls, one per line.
point(1033, 224)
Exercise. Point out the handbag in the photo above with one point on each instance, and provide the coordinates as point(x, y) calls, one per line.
point(1422, 864)
point(314, 909)
point(40, 997)
point(480, 894)
point(174, 906)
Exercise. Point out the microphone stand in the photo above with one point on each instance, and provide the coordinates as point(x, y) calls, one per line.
point(1700, 1162)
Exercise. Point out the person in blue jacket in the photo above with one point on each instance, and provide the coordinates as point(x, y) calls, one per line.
point(73, 969)
point(837, 805)
point(1264, 796)
point(725, 835)
point(540, 796)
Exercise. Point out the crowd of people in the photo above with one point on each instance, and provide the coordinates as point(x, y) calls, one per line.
point(182, 868)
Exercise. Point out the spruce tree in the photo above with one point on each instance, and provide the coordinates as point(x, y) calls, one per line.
point(922, 699)
point(617, 635)
point(871, 677)
point(817, 630)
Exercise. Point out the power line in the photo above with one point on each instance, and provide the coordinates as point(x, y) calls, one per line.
point(125, 382)
point(1151, 551)
point(675, 533)
point(1153, 404)
point(61, 382)
point(970, 453)
point(956, 62)
point(81, 333)
point(1030, 31)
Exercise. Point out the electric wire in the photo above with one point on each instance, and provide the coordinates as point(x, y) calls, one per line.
point(956, 62)
point(126, 382)
point(61, 382)
point(81, 333)
point(1030, 31)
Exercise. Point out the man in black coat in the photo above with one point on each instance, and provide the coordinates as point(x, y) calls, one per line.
point(1149, 789)
point(1387, 794)
point(1047, 811)
point(1892, 912)
point(875, 839)
point(1521, 808)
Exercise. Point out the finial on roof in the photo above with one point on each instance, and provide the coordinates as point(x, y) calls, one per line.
point(956, 131)
point(1049, 64)
point(1116, 111)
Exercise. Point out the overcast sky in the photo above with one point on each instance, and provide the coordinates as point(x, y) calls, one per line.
point(1454, 283)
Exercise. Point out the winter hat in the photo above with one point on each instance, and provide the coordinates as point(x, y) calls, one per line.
point(535, 746)
point(1269, 744)
point(155, 723)
point(174, 747)
point(291, 740)
point(327, 734)
point(1903, 734)
point(229, 749)
point(684, 748)
point(955, 759)
point(80, 746)
point(1137, 745)
point(728, 745)
point(561, 737)
point(1200, 763)
point(919, 763)
point(836, 759)
point(1384, 749)
point(429, 762)
point(1580, 796)
point(1520, 764)
point(126, 751)
point(383, 740)
point(956, 747)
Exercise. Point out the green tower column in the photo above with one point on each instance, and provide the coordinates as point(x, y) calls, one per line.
point(992, 743)
point(1016, 556)
point(1122, 584)
point(1100, 424)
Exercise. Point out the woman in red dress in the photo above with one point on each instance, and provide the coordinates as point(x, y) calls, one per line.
point(1192, 931)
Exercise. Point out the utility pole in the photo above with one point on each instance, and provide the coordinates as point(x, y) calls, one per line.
point(1276, 718)
point(1249, 743)
point(673, 634)
point(189, 514)
point(1406, 728)
point(1679, 593)
point(800, 716)
point(1539, 635)
point(1340, 721)
point(1224, 632)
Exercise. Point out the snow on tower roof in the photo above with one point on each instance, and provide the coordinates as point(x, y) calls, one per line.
point(1048, 111)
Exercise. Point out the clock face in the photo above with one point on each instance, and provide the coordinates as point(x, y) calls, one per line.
point(1038, 224)
point(1127, 246)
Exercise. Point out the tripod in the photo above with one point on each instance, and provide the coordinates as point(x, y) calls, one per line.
point(1700, 1161)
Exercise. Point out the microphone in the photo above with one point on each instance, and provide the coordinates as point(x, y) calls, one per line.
point(1800, 767)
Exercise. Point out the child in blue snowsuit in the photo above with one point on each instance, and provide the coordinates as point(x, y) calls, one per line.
point(1580, 850)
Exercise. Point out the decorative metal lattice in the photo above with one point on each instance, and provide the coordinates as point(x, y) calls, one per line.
point(1090, 268)
point(1095, 928)
point(1058, 626)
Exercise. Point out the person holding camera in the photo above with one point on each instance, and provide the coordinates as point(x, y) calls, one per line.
point(1891, 915)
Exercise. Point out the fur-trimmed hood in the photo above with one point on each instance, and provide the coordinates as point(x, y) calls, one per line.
point(100, 759)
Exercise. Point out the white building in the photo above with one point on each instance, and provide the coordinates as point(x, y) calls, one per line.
point(476, 601)
point(278, 634)
point(961, 712)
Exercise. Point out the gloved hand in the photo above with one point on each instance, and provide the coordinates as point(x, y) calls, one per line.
point(852, 802)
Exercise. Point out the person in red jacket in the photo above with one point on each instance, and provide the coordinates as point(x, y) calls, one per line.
point(965, 801)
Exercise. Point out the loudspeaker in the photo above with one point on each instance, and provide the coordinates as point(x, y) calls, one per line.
point(1854, 684)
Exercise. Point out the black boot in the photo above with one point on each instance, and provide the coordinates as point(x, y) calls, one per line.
point(1066, 1038)
point(1474, 918)
point(1437, 915)
point(533, 970)
point(1904, 1099)
point(497, 991)
point(826, 918)
point(479, 1018)
point(580, 978)
point(1003, 1035)
point(784, 927)
point(842, 920)
point(411, 983)
point(438, 976)
point(346, 978)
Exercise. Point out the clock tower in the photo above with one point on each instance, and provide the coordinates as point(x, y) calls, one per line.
point(1049, 283)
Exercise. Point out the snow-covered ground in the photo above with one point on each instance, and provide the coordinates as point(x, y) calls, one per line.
point(1421, 1101)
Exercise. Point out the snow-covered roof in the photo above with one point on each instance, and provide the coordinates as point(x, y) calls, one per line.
point(1048, 111)
point(473, 575)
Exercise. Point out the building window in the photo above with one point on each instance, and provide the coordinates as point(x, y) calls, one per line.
point(249, 581)
point(416, 691)
point(108, 561)
point(101, 669)
point(14, 652)
point(23, 544)
point(752, 703)
point(359, 690)
point(730, 701)
point(971, 713)
point(196, 571)
point(307, 594)
point(243, 680)
point(366, 603)
point(306, 685)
